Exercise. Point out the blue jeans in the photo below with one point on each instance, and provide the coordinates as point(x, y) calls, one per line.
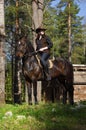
point(43, 58)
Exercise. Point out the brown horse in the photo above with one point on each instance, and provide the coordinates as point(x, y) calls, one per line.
point(60, 69)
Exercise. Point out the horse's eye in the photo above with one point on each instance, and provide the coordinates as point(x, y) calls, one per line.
point(19, 42)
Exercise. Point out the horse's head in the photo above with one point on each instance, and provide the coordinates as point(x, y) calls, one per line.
point(21, 47)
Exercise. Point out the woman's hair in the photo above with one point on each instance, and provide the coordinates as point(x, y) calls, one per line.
point(38, 35)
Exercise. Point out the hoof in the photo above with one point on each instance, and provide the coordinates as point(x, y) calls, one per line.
point(36, 103)
point(30, 103)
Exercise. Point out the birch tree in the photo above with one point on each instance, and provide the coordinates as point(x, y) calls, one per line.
point(2, 56)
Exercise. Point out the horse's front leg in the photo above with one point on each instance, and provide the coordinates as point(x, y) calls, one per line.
point(29, 90)
point(35, 91)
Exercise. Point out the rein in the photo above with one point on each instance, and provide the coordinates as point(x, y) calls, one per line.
point(34, 53)
point(31, 54)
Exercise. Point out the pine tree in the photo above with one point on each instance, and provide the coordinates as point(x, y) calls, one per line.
point(69, 27)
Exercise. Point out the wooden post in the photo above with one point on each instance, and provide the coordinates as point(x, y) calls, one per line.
point(2, 56)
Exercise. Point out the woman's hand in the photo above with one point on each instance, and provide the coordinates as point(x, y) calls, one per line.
point(44, 48)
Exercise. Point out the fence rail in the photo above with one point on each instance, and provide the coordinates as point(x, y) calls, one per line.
point(79, 83)
point(79, 74)
point(79, 67)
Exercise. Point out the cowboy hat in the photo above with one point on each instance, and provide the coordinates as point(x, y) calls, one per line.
point(40, 29)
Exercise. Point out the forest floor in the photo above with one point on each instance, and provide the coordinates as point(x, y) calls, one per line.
point(45, 116)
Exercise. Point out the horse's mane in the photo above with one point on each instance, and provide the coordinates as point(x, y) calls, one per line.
point(30, 46)
point(28, 42)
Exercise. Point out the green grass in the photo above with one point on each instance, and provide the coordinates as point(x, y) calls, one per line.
point(43, 117)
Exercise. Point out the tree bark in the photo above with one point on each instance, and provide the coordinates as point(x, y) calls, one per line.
point(17, 80)
point(37, 18)
point(37, 9)
point(2, 55)
point(69, 32)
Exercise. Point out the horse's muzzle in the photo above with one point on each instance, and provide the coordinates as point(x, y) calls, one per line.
point(19, 56)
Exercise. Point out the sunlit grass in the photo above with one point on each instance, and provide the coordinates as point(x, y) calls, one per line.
point(43, 117)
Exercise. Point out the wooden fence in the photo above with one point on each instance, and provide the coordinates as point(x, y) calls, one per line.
point(79, 82)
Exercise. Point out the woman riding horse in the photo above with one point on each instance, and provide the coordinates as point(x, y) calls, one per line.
point(43, 46)
point(61, 70)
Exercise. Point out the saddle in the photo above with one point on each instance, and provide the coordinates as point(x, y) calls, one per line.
point(49, 62)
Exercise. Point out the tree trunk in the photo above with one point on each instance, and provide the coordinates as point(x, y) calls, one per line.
point(37, 8)
point(69, 32)
point(17, 80)
point(37, 19)
point(2, 55)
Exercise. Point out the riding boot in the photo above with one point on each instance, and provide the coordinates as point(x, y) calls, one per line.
point(47, 74)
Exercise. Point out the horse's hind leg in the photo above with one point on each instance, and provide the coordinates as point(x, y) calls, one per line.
point(35, 92)
point(71, 96)
point(64, 96)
